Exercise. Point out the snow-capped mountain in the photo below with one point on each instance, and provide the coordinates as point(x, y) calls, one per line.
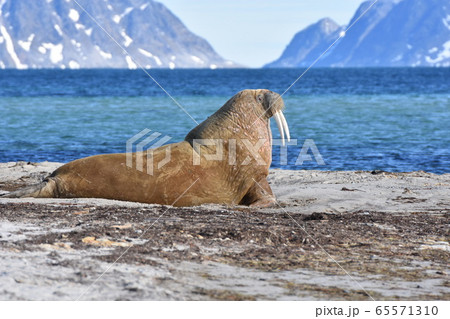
point(391, 33)
point(60, 34)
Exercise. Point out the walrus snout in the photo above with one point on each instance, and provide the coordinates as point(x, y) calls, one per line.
point(273, 107)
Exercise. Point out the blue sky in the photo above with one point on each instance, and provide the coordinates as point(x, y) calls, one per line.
point(253, 32)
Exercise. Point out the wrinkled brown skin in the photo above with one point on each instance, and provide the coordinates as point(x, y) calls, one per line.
point(180, 182)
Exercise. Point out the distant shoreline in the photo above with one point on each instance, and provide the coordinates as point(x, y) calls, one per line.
point(236, 69)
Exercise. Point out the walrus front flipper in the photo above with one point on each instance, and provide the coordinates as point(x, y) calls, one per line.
point(259, 195)
point(46, 189)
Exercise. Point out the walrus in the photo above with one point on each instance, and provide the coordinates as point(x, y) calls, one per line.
point(224, 160)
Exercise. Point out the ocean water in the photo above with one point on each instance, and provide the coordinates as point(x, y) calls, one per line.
point(394, 119)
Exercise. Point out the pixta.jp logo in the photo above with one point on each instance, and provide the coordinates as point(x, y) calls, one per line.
point(142, 140)
point(140, 149)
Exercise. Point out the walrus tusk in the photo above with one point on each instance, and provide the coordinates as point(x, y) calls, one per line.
point(280, 126)
point(285, 126)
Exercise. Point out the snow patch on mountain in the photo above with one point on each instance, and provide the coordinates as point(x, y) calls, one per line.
point(117, 17)
point(58, 29)
point(2, 2)
point(55, 51)
point(74, 64)
point(26, 44)
point(446, 21)
point(75, 43)
point(146, 53)
point(196, 59)
point(157, 60)
point(130, 62)
point(105, 55)
point(441, 56)
point(74, 15)
point(10, 48)
point(79, 26)
point(127, 39)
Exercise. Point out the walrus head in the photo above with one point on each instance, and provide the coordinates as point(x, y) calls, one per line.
point(273, 106)
point(247, 109)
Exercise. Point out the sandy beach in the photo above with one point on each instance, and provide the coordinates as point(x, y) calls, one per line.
point(347, 235)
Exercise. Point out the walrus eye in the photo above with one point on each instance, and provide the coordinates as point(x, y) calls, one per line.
point(260, 98)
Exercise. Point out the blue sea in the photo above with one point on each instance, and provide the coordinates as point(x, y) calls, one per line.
point(393, 119)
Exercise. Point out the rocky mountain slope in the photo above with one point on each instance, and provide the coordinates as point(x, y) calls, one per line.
point(60, 34)
point(308, 44)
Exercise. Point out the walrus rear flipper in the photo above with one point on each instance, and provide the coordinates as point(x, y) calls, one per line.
point(46, 189)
